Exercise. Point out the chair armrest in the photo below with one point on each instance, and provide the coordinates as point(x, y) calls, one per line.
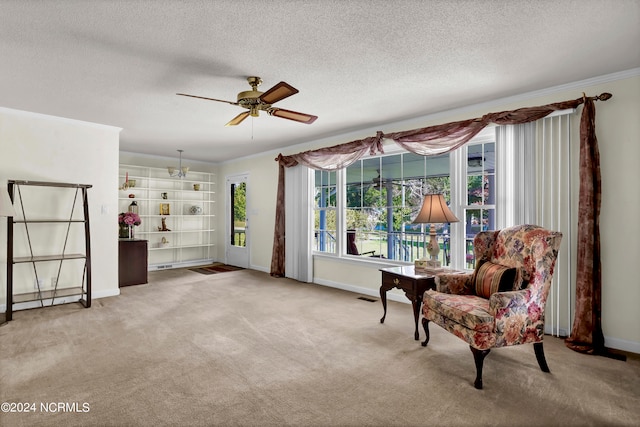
point(502, 304)
point(458, 284)
point(518, 317)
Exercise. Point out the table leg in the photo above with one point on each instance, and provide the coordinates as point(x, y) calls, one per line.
point(416, 303)
point(383, 298)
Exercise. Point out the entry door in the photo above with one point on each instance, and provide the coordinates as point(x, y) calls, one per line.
point(237, 239)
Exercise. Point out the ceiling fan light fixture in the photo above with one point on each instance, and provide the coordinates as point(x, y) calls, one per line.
point(249, 97)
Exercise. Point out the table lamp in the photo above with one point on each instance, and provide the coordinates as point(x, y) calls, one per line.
point(434, 211)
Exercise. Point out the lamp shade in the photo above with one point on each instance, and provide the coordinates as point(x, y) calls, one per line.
point(434, 211)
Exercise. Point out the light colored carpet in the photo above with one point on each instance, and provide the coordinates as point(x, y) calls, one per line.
point(243, 348)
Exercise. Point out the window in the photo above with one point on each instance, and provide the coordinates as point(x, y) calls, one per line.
point(325, 221)
point(479, 203)
point(369, 213)
point(382, 195)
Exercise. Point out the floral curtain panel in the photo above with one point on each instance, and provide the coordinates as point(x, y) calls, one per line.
point(586, 334)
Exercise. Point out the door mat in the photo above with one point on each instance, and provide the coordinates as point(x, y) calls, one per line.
point(215, 268)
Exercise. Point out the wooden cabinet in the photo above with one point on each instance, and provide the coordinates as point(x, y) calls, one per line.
point(132, 262)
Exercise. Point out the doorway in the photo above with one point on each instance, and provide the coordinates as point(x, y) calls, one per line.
point(237, 236)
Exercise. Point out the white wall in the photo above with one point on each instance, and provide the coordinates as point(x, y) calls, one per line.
point(618, 131)
point(45, 148)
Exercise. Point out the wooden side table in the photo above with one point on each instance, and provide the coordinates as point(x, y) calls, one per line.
point(414, 284)
point(132, 262)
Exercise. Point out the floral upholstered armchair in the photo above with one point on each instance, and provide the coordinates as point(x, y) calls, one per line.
point(502, 302)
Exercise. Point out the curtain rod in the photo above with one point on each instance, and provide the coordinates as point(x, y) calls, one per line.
point(602, 97)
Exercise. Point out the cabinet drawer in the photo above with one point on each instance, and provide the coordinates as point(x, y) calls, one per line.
point(391, 281)
point(412, 286)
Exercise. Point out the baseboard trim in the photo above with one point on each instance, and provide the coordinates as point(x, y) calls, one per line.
point(624, 345)
point(105, 293)
point(179, 264)
point(550, 330)
point(260, 268)
point(391, 296)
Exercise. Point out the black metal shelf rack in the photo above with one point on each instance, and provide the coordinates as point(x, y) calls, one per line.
point(84, 290)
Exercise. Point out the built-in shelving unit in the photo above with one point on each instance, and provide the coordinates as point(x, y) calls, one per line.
point(190, 236)
point(39, 229)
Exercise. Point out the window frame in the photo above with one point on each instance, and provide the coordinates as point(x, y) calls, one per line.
point(319, 210)
point(458, 172)
point(459, 204)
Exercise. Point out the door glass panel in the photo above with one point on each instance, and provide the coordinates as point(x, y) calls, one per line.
point(238, 214)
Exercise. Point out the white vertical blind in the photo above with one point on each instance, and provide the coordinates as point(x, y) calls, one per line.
point(535, 164)
point(299, 223)
point(556, 162)
point(515, 175)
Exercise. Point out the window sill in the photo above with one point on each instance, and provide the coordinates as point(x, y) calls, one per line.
point(360, 260)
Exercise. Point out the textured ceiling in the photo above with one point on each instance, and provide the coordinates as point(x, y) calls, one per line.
point(357, 64)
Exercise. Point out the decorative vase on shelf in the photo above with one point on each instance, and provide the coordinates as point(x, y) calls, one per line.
point(127, 221)
point(123, 231)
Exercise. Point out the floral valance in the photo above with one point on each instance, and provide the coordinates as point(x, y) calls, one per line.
point(336, 157)
point(427, 141)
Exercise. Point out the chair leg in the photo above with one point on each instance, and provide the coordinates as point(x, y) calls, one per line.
point(478, 356)
point(537, 347)
point(425, 325)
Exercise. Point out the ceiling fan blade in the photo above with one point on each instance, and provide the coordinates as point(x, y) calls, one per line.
point(292, 115)
point(238, 119)
point(280, 91)
point(208, 99)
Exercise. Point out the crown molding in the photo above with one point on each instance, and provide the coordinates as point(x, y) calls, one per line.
point(577, 85)
point(526, 96)
point(58, 119)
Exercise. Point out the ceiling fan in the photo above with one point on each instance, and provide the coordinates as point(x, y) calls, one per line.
point(254, 101)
